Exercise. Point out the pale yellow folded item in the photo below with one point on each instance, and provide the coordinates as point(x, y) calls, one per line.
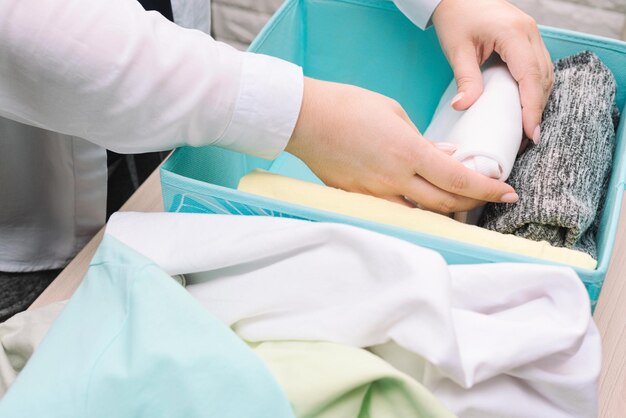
point(371, 208)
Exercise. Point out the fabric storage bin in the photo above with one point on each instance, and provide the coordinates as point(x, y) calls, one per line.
point(371, 44)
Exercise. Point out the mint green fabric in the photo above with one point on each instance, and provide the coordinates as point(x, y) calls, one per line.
point(132, 343)
point(325, 380)
point(322, 380)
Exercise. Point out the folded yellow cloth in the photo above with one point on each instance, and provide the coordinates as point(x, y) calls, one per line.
point(371, 208)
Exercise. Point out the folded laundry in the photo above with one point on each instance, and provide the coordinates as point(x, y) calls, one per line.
point(379, 210)
point(133, 343)
point(20, 335)
point(485, 339)
point(489, 148)
point(480, 338)
point(561, 182)
point(321, 380)
point(325, 380)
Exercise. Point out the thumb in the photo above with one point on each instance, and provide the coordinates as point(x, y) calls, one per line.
point(469, 79)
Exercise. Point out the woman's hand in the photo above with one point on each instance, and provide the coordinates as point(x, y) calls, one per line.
point(361, 141)
point(471, 30)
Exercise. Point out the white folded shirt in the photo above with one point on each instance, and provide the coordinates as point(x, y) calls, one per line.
point(490, 340)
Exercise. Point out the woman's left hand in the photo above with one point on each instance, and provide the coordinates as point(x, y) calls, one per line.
point(471, 30)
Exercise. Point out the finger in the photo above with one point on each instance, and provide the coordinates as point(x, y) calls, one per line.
point(545, 63)
point(546, 83)
point(400, 200)
point(550, 70)
point(523, 63)
point(531, 95)
point(544, 56)
point(446, 147)
point(466, 66)
point(434, 199)
point(452, 176)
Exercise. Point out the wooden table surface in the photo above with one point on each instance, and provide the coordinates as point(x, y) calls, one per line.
point(610, 312)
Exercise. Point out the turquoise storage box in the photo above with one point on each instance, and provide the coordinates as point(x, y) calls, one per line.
point(371, 44)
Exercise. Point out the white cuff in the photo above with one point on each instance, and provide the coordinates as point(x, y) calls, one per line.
point(419, 11)
point(267, 107)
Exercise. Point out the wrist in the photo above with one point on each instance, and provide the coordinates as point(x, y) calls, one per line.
point(302, 135)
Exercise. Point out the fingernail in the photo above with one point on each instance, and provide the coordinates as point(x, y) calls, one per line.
point(509, 198)
point(536, 135)
point(457, 98)
point(446, 147)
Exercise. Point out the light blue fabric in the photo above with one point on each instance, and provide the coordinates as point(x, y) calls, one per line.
point(133, 343)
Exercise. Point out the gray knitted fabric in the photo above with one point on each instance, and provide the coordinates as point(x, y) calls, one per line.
point(562, 181)
point(19, 290)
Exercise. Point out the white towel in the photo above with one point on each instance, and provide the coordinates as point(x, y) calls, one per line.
point(492, 340)
point(489, 133)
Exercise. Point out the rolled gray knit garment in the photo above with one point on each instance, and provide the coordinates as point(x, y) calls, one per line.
point(562, 182)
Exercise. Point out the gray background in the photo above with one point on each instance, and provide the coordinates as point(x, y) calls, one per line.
point(238, 21)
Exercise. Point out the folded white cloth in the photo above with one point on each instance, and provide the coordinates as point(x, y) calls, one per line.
point(493, 340)
point(489, 133)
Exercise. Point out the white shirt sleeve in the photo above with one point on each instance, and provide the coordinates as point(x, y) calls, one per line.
point(132, 81)
point(419, 11)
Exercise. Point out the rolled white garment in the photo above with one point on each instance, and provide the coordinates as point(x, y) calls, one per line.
point(489, 133)
point(489, 340)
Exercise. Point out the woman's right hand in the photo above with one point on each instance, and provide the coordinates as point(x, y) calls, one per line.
point(361, 141)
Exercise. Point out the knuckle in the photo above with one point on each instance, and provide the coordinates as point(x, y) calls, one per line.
point(464, 80)
point(547, 84)
point(506, 46)
point(530, 22)
point(550, 80)
point(395, 106)
point(524, 23)
point(458, 183)
point(533, 72)
point(447, 205)
point(535, 108)
point(493, 195)
point(531, 80)
point(401, 156)
point(402, 113)
point(518, 25)
point(387, 182)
